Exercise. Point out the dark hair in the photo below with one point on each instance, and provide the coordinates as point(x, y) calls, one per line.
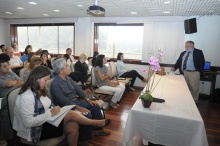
point(99, 60)
point(119, 56)
point(4, 58)
point(95, 54)
point(45, 51)
point(30, 56)
point(68, 49)
point(43, 54)
point(37, 73)
point(2, 46)
point(94, 57)
point(26, 49)
point(66, 56)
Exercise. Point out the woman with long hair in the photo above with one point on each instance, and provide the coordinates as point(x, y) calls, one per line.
point(36, 61)
point(46, 62)
point(104, 82)
point(33, 109)
point(124, 73)
point(27, 50)
point(95, 55)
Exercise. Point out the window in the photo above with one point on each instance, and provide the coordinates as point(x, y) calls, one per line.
point(112, 39)
point(55, 39)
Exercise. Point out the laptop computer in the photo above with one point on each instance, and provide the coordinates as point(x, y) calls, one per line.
point(207, 66)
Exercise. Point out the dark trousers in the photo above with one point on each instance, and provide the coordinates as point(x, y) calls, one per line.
point(132, 74)
point(85, 132)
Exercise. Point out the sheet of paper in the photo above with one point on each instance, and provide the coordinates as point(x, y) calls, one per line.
point(55, 120)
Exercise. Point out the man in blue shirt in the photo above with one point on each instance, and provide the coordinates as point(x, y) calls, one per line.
point(191, 63)
point(65, 91)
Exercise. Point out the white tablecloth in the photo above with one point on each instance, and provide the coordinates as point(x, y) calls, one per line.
point(177, 122)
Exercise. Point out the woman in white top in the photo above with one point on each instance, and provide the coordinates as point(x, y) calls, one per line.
point(104, 82)
point(33, 109)
point(124, 73)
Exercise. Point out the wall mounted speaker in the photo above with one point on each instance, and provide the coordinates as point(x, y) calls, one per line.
point(190, 26)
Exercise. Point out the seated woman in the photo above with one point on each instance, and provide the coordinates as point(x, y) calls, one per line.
point(124, 73)
point(36, 61)
point(33, 109)
point(95, 55)
point(28, 49)
point(81, 67)
point(104, 82)
point(27, 62)
point(46, 62)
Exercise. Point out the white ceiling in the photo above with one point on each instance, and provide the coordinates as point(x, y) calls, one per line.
point(113, 8)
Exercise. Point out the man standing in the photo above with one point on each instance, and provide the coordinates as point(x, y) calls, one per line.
point(191, 63)
point(64, 91)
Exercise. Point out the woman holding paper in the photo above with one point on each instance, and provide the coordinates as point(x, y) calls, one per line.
point(33, 109)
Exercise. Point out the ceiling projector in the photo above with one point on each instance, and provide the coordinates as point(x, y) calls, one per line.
point(96, 10)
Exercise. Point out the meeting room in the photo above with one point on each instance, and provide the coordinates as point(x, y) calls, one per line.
point(109, 73)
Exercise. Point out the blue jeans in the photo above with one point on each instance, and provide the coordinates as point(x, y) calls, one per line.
point(94, 109)
point(85, 132)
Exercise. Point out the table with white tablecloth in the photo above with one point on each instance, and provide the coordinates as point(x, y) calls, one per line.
point(177, 122)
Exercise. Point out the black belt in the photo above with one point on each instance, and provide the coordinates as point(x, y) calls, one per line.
point(191, 70)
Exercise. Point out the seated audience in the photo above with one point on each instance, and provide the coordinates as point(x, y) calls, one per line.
point(33, 109)
point(70, 61)
point(104, 82)
point(95, 55)
point(28, 49)
point(15, 62)
point(36, 61)
point(8, 81)
point(124, 73)
point(46, 62)
point(30, 56)
point(2, 48)
point(16, 52)
point(65, 92)
point(48, 54)
point(81, 67)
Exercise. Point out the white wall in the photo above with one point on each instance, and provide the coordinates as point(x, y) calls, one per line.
point(207, 38)
point(2, 32)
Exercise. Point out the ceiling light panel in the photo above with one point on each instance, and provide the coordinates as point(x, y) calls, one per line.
point(113, 8)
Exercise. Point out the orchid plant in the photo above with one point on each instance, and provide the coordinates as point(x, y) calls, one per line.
point(154, 66)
